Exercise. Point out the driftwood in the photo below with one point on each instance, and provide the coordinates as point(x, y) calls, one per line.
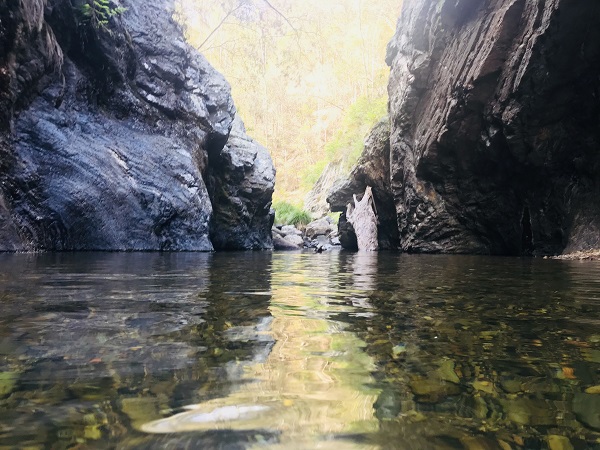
point(363, 218)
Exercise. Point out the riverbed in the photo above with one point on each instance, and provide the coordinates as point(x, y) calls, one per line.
point(298, 351)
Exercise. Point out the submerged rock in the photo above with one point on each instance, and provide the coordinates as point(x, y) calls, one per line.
point(109, 135)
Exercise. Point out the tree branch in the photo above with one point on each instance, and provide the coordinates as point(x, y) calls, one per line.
point(220, 24)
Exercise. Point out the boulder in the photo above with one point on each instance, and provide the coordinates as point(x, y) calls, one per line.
point(294, 239)
point(320, 227)
point(280, 243)
point(290, 230)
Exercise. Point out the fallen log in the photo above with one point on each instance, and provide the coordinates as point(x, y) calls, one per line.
point(363, 218)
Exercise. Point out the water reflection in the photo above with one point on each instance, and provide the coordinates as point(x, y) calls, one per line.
point(313, 384)
point(298, 350)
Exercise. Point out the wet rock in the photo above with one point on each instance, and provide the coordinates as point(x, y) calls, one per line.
point(479, 443)
point(593, 390)
point(294, 239)
point(556, 442)
point(587, 409)
point(109, 136)
point(8, 381)
point(140, 410)
point(526, 411)
point(432, 390)
point(280, 243)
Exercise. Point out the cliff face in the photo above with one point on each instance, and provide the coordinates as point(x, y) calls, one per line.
point(110, 132)
point(494, 115)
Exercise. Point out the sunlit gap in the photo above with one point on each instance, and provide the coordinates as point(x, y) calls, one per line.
point(308, 78)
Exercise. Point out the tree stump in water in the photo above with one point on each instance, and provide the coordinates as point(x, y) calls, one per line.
point(363, 218)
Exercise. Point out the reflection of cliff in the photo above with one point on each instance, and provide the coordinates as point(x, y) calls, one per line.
point(99, 344)
point(313, 382)
point(482, 352)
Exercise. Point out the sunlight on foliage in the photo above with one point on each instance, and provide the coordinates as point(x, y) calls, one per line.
point(99, 12)
point(288, 214)
point(295, 69)
point(347, 143)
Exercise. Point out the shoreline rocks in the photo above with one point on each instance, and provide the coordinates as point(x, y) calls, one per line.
point(320, 235)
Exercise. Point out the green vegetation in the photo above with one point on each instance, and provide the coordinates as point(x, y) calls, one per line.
point(99, 12)
point(301, 72)
point(347, 143)
point(288, 214)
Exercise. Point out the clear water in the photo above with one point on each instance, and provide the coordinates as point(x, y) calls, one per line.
point(298, 351)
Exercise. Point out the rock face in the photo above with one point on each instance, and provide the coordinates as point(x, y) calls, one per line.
point(241, 182)
point(372, 169)
point(495, 112)
point(110, 133)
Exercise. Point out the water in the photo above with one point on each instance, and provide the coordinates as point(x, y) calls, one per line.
point(298, 351)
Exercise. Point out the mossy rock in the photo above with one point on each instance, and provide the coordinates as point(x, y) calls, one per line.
point(8, 381)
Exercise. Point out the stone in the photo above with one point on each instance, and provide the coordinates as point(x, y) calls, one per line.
point(587, 409)
point(320, 227)
point(294, 239)
point(121, 140)
point(280, 243)
point(290, 230)
point(557, 442)
point(432, 390)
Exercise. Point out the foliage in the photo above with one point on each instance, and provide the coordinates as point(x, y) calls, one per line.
point(99, 12)
point(288, 214)
point(295, 68)
point(347, 143)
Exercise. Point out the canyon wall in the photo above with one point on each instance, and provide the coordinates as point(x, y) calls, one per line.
point(495, 127)
point(116, 135)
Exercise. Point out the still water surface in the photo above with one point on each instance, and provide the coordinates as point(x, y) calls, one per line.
point(298, 351)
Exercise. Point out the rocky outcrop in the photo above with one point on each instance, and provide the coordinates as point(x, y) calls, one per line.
point(241, 182)
point(372, 169)
point(494, 110)
point(110, 133)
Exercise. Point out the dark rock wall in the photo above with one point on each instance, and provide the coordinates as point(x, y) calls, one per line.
point(495, 126)
point(106, 132)
point(495, 110)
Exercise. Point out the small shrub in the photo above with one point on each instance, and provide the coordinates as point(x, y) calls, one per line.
point(98, 12)
point(288, 214)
